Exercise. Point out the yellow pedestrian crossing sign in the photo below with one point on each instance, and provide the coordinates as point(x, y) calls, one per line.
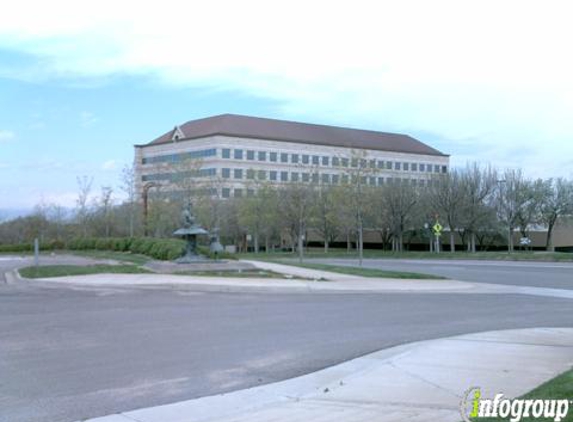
point(437, 228)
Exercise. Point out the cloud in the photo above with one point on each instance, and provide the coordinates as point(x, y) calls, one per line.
point(490, 72)
point(109, 165)
point(6, 135)
point(87, 118)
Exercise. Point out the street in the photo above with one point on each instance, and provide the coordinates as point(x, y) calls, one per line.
point(69, 353)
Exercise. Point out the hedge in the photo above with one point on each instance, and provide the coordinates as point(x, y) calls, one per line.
point(162, 249)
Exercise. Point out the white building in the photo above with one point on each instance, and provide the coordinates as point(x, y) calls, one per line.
point(235, 151)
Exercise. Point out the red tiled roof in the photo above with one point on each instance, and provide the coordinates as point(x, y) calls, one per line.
point(287, 131)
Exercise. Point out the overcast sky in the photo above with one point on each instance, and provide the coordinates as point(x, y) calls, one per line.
point(81, 82)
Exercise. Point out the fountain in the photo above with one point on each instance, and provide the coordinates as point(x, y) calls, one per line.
point(189, 233)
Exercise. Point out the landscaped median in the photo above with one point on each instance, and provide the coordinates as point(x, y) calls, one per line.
point(48, 271)
point(365, 272)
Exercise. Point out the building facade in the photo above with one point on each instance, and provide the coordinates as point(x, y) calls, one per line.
point(230, 154)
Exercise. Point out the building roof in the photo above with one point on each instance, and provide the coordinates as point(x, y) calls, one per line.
point(288, 131)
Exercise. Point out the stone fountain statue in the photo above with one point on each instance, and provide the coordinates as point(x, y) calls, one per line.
point(189, 233)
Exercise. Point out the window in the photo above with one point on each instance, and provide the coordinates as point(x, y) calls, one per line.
point(380, 181)
point(226, 192)
point(238, 173)
point(314, 177)
point(226, 173)
point(305, 159)
point(273, 175)
point(344, 162)
point(414, 182)
point(294, 177)
point(397, 166)
point(273, 157)
point(261, 175)
point(406, 166)
point(335, 161)
point(363, 180)
point(250, 174)
point(175, 158)
point(414, 166)
point(294, 158)
point(315, 160)
point(436, 168)
point(325, 178)
point(284, 176)
point(226, 153)
point(250, 155)
point(325, 161)
point(380, 164)
point(262, 156)
point(388, 165)
point(372, 164)
point(372, 181)
point(250, 192)
point(238, 193)
point(422, 167)
point(305, 177)
point(389, 180)
point(354, 162)
point(429, 168)
point(444, 169)
point(284, 157)
point(335, 179)
point(345, 179)
point(422, 182)
point(238, 154)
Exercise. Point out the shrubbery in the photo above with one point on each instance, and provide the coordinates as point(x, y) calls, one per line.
point(162, 249)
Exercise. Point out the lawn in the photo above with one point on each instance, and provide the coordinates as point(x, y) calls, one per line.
point(367, 272)
point(558, 388)
point(234, 274)
point(67, 270)
point(379, 254)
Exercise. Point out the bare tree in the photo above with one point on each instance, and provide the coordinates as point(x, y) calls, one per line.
point(325, 216)
point(128, 185)
point(447, 196)
point(296, 201)
point(557, 202)
point(478, 185)
point(82, 207)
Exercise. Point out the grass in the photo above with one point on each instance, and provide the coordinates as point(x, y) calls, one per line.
point(379, 254)
point(368, 272)
point(234, 274)
point(558, 388)
point(67, 270)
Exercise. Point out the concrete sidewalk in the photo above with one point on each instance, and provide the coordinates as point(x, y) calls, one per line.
point(422, 381)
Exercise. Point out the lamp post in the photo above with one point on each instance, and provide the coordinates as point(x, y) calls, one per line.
point(145, 197)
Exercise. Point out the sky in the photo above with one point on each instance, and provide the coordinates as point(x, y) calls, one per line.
point(82, 82)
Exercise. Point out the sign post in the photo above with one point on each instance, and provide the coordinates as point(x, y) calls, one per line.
point(437, 229)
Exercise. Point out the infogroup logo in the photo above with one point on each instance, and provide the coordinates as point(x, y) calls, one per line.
point(473, 407)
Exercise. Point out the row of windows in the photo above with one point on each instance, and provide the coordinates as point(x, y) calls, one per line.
point(327, 161)
point(176, 158)
point(174, 177)
point(325, 178)
point(240, 192)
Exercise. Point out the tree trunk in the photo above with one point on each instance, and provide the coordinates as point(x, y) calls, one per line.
point(549, 244)
point(452, 240)
point(325, 246)
point(360, 243)
point(300, 242)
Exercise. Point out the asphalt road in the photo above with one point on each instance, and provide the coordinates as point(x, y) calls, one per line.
point(70, 353)
point(539, 274)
